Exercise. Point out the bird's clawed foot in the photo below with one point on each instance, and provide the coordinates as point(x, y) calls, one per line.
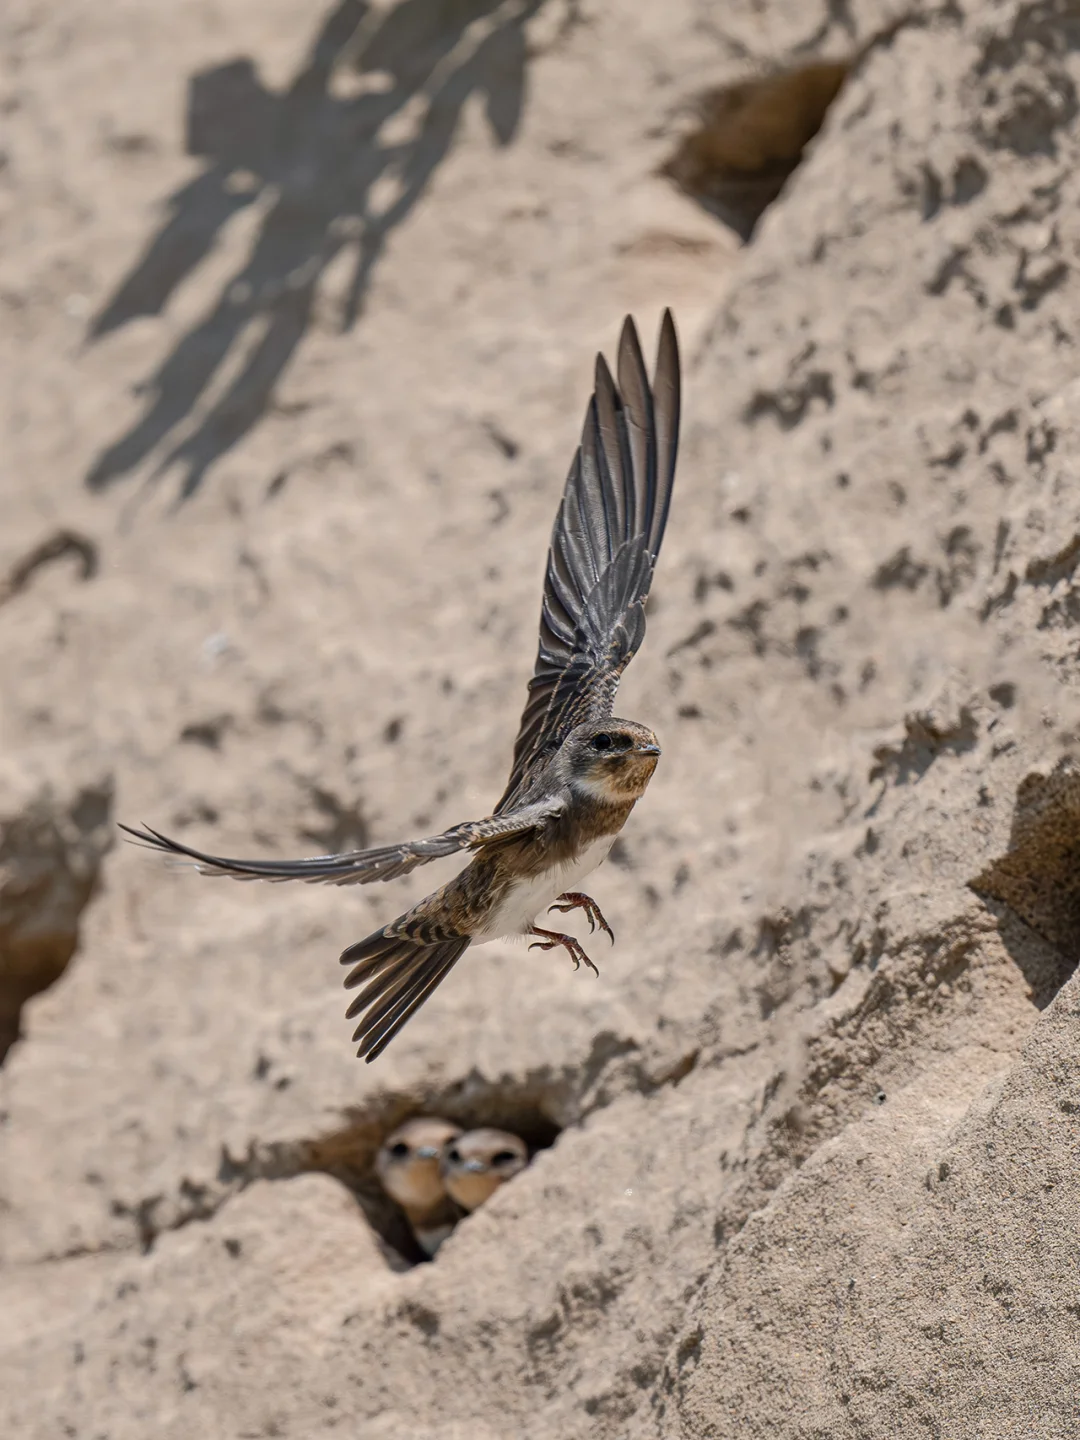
point(550, 938)
point(575, 900)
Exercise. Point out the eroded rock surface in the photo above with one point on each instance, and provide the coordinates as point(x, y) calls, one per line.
point(806, 1151)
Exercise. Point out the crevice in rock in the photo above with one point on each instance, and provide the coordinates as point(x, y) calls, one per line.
point(51, 848)
point(1034, 888)
point(537, 1109)
point(348, 1152)
point(750, 137)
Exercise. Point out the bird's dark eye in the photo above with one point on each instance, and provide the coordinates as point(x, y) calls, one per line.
point(608, 741)
point(454, 1155)
point(503, 1157)
point(400, 1150)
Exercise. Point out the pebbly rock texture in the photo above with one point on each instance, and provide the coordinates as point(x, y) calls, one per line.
point(301, 314)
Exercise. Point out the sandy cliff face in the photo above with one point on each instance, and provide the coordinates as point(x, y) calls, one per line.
point(300, 310)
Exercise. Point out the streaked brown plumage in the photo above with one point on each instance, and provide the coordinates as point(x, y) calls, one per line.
point(577, 771)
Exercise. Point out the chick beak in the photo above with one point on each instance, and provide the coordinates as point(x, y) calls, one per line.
point(648, 749)
point(426, 1152)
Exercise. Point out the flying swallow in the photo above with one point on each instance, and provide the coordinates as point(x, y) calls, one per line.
point(408, 1169)
point(577, 770)
point(475, 1164)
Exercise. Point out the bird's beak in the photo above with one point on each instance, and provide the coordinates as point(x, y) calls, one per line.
point(426, 1152)
point(475, 1167)
point(648, 749)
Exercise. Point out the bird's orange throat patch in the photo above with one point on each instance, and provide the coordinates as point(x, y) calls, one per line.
point(618, 779)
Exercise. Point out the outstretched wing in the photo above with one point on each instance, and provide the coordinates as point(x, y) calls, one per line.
point(603, 548)
point(361, 867)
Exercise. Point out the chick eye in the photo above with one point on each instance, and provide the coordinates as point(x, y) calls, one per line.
point(503, 1157)
point(602, 742)
point(454, 1155)
point(400, 1150)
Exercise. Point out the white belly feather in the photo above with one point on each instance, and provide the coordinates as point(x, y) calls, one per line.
point(527, 900)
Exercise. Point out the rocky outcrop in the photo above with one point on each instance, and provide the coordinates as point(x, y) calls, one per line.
point(803, 1158)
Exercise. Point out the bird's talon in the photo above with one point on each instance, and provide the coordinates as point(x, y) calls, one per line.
point(548, 939)
point(575, 900)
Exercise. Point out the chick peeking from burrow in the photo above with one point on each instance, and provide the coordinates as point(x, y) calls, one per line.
point(475, 1164)
point(408, 1168)
point(437, 1173)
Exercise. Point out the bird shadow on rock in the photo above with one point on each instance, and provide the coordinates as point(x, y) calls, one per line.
point(1034, 888)
point(336, 161)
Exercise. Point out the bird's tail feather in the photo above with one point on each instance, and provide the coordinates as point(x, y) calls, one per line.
point(400, 975)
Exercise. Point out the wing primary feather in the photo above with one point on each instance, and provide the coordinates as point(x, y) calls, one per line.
point(368, 955)
point(613, 496)
point(565, 581)
point(638, 415)
point(667, 404)
point(580, 531)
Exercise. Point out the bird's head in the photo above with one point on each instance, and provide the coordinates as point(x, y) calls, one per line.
point(408, 1161)
point(478, 1162)
point(610, 760)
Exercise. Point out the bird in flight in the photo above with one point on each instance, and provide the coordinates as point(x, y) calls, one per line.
point(577, 770)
